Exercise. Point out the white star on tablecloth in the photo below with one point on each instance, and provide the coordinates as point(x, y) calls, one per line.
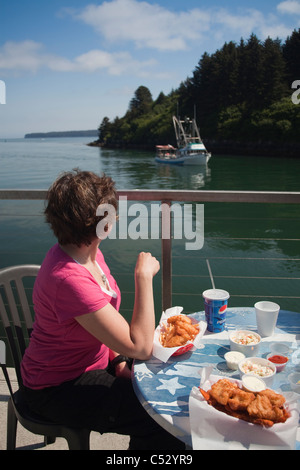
point(140, 375)
point(170, 385)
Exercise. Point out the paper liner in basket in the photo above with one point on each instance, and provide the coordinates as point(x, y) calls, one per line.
point(213, 430)
point(163, 354)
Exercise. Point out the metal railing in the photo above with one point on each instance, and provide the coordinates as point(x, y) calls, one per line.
point(167, 197)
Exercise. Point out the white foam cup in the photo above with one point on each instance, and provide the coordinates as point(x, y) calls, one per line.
point(266, 317)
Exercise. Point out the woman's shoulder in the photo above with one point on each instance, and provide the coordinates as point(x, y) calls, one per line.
point(55, 256)
point(57, 264)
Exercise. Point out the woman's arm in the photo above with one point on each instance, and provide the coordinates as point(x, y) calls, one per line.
point(109, 326)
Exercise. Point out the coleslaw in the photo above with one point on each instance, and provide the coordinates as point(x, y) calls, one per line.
point(257, 369)
point(245, 338)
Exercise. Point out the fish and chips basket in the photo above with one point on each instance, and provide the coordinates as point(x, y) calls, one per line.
point(212, 429)
point(164, 353)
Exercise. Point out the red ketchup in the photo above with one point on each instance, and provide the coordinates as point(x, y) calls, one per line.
point(277, 359)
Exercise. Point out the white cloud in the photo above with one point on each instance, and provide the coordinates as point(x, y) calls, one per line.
point(30, 56)
point(153, 26)
point(250, 21)
point(115, 63)
point(23, 55)
point(290, 6)
point(246, 23)
point(147, 25)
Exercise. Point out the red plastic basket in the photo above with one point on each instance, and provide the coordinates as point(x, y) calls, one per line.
point(183, 350)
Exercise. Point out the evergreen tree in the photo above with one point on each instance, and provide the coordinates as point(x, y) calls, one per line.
point(273, 72)
point(141, 103)
point(241, 92)
point(291, 54)
point(227, 75)
point(253, 60)
point(161, 98)
point(103, 129)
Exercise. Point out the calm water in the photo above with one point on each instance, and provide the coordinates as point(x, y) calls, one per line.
point(253, 249)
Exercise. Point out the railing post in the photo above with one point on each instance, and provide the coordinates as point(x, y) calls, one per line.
point(166, 249)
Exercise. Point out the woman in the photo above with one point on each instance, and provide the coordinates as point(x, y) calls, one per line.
point(75, 369)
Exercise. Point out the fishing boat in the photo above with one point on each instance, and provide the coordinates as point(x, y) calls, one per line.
point(191, 150)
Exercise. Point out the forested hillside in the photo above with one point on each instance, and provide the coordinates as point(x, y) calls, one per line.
point(242, 94)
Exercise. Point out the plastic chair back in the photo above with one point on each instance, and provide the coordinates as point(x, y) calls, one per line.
point(15, 309)
point(16, 315)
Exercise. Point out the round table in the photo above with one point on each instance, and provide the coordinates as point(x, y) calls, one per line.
point(164, 388)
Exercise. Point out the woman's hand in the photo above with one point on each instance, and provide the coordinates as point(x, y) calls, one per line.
point(146, 265)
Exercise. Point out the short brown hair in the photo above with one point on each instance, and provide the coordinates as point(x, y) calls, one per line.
point(72, 201)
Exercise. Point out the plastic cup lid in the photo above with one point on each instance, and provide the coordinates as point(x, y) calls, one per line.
point(216, 294)
point(253, 383)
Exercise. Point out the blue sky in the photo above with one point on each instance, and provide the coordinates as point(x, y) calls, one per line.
point(68, 63)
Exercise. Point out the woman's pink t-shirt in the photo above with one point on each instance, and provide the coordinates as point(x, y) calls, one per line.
point(60, 349)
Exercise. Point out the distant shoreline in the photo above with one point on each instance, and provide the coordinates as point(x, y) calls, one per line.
point(227, 147)
point(43, 135)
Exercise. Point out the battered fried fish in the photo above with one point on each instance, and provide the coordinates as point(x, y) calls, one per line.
point(264, 408)
point(222, 390)
point(240, 400)
point(275, 398)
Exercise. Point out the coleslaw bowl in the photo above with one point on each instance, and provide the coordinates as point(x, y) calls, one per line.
point(245, 341)
point(259, 367)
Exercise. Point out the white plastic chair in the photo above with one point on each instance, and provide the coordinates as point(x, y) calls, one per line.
point(17, 319)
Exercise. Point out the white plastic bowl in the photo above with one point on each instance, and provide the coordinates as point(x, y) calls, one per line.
point(249, 350)
point(268, 379)
point(233, 358)
point(253, 384)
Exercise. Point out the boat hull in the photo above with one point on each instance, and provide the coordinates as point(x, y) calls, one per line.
point(197, 159)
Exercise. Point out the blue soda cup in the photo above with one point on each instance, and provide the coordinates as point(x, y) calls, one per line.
point(215, 305)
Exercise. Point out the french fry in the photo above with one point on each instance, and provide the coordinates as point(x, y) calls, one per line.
point(178, 331)
point(205, 394)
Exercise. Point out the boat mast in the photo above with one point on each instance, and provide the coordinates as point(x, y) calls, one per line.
point(186, 131)
point(179, 132)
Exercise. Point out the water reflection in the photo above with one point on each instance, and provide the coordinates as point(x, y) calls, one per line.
point(137, 169)
point(182, 177)
point(242, 241)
